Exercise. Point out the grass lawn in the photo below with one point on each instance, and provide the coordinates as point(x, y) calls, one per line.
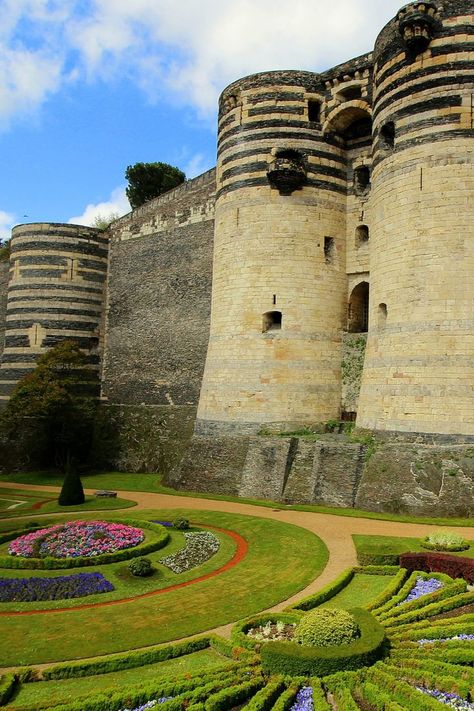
point(45, 694)
point(361, 590)
point(394, 546)
point(92, 503)
point(125, 481)
point(281, 560)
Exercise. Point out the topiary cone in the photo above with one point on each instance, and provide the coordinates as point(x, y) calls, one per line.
point(72, 492)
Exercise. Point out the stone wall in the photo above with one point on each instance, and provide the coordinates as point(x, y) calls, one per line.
point(353, 351)
point(4, 275)
point(159, 293)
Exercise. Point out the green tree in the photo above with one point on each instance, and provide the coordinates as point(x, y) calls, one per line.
point(148, 180)
point(59, 398)
point(5, 245)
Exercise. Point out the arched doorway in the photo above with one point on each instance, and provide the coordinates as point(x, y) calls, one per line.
point(358, 309)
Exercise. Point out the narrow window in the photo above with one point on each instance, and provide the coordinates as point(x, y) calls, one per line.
point(361, 235)
point(271, 321)
point(329, 250)
point(382, 315)
point(387, 136)
point(314, 110)
point(274, 299)
point(361, 180)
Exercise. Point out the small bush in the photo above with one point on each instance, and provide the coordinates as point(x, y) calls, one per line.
point(326, 628)
point(72, 493)
point(445, 541)
point(141, 567)
point(181, 524)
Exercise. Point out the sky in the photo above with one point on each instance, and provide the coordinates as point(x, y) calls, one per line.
point(88, 87)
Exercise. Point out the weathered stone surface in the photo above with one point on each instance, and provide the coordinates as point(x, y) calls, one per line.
point(141, 439)
point(4, 276)
point(267, 467)
point(420, 480)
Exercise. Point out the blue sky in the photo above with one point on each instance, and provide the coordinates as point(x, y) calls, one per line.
point(88, 87)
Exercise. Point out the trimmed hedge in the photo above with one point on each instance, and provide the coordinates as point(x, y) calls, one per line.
point(295, 659)
point(129, 660)
point(183, 691)
point(285, 701)
point(325, 593)
point(390, 591)
point(424, 676)
point(319, 695)
point(341, 690)
point(234, 696)
point(456, 588)
point(377, 569)
point(452, 565)
point(403, 693)
point(400, 597)
point(377, 698)
point(435, 608)
point(8, 684)
point(264, 699)
point(430, 629)
point(239, 636)
point(49, 563)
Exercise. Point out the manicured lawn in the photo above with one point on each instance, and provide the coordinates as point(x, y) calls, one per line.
point(281, 560)
point(361, 590)
point(91, 503)
point(124, 481)
point(45, 694)
point(393, 546)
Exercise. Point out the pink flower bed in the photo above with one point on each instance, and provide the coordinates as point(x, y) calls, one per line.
point(76, 538)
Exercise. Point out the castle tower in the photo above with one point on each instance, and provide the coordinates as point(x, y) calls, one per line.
point(278, 296)
point(419, 364)
point(56, 289)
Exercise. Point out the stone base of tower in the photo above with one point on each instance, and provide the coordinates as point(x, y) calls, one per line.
point(401, 477)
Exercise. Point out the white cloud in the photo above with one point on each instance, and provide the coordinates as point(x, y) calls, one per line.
point(116, 205)
point(196, 165)
point(175, 50)
point(7, 221)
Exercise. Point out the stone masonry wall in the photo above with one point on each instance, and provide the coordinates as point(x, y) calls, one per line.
point(4, 274)
point(159, 292)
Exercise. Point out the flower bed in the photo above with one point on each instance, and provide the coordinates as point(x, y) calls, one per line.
point(60, 588)
point(421, 588)
point(199, 547)
point(76, 539)
point(455, 638)
point(451, 700)
point(304, 700)
point(272, 631)
point(150, 704)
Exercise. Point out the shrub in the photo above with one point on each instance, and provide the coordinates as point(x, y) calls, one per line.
point(180, 523)
point(141, 567)
point(326, 628)
point(8, 684)
point(72, 492)
point(329, 591)
point(445, 541)
point(295, 659)
point(453, 565)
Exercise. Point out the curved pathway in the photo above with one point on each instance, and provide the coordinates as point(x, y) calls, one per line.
point(335, 531)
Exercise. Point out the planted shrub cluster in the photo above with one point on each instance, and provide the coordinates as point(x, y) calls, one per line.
point(445, 541)
point(326, 628)
point(141, 567)
point(60, 588)
point(452, 565)
point(199, 547)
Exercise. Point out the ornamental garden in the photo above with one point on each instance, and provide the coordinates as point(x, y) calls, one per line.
point(191, 608)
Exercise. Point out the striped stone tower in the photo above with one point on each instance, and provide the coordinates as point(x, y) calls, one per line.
point(419, 367)
point(56, 292)
point(278, 296)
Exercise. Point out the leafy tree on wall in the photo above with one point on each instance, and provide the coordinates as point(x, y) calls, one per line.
point(4, 250)
point(58, 399)
point(148, 180)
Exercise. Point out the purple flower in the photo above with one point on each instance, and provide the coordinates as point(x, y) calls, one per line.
point(422, 587)
point(304, 700)
point(460, 637)
point(61, 587)
point(450, 699)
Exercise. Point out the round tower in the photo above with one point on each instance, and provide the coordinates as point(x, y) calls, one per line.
point(278, 295)
point(419, 365)
point(56, 287)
